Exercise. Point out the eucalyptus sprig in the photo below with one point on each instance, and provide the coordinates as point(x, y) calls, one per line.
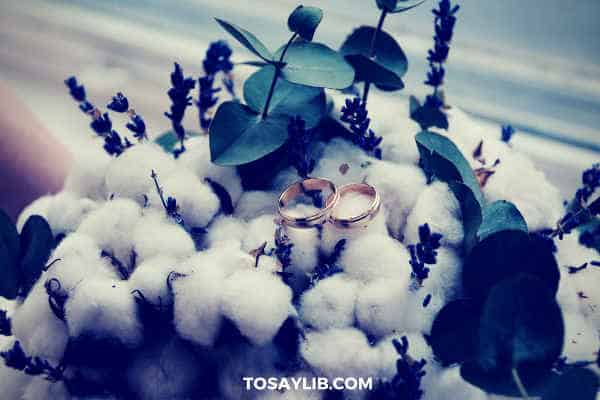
point(289, 84)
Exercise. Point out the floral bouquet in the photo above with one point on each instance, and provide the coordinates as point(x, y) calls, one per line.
point(310, 228)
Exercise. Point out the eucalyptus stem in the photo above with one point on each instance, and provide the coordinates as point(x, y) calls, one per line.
point(278, 68)
point(519, 383)
point(372, 50)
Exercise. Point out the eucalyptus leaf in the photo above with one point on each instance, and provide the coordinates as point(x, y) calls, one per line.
point(304, 21)
point(500, 216)
point(386, 5)
point(470, 209)
point(239, 135)
point(441, 158)
point(453, 337)
point(37, 242)
point(289, 99)
point(575, 383)
point(506, 254)
point(427, 116)
point(247, 39)
point(9, 257)
point(388, 53)
point(314, 64)
point(407, 5)
point(168, 140)
point(367, 70)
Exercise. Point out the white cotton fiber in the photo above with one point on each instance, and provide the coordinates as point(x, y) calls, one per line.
point(154, 234)
point(340, 352)
point(166, 370)
point(437, 207)
point(376, 256)
point(257, 302)
point(444, 278)
point(37, 328)
point(197, 159)
point(41, 389)
point(399, 146)
point(129, 174)
point(37, 207)
point(150, 278)
point(379, 306)
point(581, 338)
point(13, 382)
point(255, 203)
point(66, 212)
point(517, 180)
point(448, 384)
point(399, 187)
point(111, 226)
point(197, 305)
point(417, 349)
point(260, 230)
point(420, 318)
point(330, 303)
point(268, 264)
point(226, 228)
point(105, 309)
point(343, 162)
point(305, 248)
point(224, 258)
point(87, 176)
point(76, 245)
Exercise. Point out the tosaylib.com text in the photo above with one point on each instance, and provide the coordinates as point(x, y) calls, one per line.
point(307, 383)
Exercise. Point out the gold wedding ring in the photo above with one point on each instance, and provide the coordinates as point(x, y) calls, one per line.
point(305, 187)
point(362, 219)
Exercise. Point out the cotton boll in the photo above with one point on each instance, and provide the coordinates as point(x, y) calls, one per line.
point(66, 212)
point(464, 132)
point(437, 207)
point(42, 389)
point(581, 338)
point(268, 264)
point(340, 352)
point(421, 318)
point(86, 178)
point(257, 302)
point(399, 146)
point(375, 257)
point(571, 253)
point(417, 349)
point(150, 278)
point(343, 162)
point(260, 230)
point(224, 258)
point(13, 382)
point(37, 207)
point(255, 203)
point(112, 226)
point(330, 303)
point(154, 234)
point(37, 328)
point(226, 228)
point(448, 384)
point(77, 245)
point(517, 180)
point(378, 306)
point(444, 278)
point(129, 174)
point(166, 370)
point(104, 309)
point(305, 248)
point(197, 305)
point(399, 187)
point(197, 159)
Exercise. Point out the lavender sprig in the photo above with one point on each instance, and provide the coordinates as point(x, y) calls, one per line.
point(180, 99)
point(217, 60)
point(355, 114)
point(300, 139)
point(507, 133)
point(170, 204)
point(136, 125)
point(424, 253)
point(16, 358)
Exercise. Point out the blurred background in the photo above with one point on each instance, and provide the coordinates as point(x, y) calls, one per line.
point(534, 64)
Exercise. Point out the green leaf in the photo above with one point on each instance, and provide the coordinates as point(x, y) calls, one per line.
point(238, 135)
point(441, 158)
point(304, 21)
point(387, 5)
point(289, 99)
point(453, 341)
point(575, 383)
point(314, 64)
point(367, 70)
point(506, 254)
point(499, 216)
point(427, 116)
point(168, 140)
point(247, 39)
point(408, 5)
point(9, 256)
point(470, 209)
point(388, 55)
point(37, 242)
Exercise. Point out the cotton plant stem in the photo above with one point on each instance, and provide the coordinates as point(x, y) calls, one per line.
point(519, 383)
point(372, 50)
point(276, 76)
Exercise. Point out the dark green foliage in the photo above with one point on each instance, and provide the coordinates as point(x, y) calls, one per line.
point(304, 21)
point(575, 383)
point(9, 257)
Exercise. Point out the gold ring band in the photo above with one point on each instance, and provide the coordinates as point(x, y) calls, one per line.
point(363, 218)
point(302, 187)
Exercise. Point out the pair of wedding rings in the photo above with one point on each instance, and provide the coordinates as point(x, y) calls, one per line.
point(325, 213)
